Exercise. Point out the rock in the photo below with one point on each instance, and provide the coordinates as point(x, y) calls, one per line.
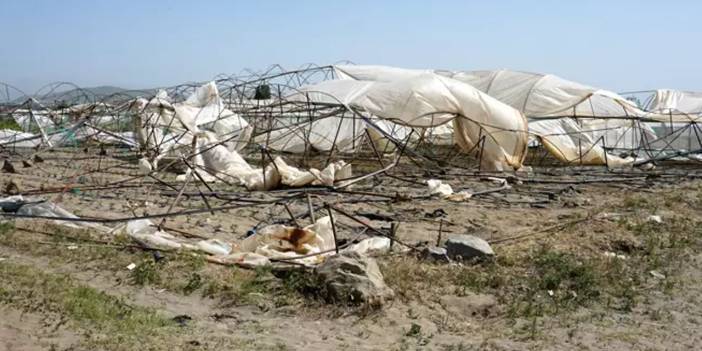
point(470, 305)
point(436, 254)
point(356, 279)
point(468, 247)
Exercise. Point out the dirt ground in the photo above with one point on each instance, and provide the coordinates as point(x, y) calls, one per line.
point(580, 265)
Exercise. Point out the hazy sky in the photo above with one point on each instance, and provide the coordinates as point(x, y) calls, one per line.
point(618, 45)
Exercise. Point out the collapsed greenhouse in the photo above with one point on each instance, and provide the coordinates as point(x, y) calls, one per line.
point(281, 137)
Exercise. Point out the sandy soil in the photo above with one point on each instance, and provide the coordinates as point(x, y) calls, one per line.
point(663, 321)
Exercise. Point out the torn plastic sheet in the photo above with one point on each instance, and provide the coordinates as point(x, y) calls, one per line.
point(309, 245)
point(428, 100)
point(443, 190)
point(369, 246)
point(144, 232)
point(164, 128)
point(283, 242)
point(37, 207)
point(215, 162)
point(565, 140)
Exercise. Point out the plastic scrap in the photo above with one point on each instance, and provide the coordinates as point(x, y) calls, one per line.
point(148, 235)
point(283, 242)
point(214, 247)
point(374, 245)
point(655, 219)
point(37, 207)
point(437, 187)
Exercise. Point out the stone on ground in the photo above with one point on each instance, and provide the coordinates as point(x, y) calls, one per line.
point(468, 247)
point(356, 279)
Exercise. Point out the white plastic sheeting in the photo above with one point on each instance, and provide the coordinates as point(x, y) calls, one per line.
point(344, 134)
point(427, 101)
point(445, 191)
point(564, 139)
point(309, 245)
point(534, 94)
point(36, 207)
point(163, 127)
point(544, 98)
point(215, 162)
point(9, 137)
point(283, 242)
point(668, 101)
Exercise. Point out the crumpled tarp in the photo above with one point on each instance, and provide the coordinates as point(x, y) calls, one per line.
point(547, 100)
point(445, 191)
point(37, 207)
point(429, 100)
point(214, 162)
point(163, 127)
point(309, 245)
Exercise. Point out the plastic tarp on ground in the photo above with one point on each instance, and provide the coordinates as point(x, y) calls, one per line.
point(37, 207)
point(308, 246)
point(214, 162)
point(546, 99)
point(429, 100)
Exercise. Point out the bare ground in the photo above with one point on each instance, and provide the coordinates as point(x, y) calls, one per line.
point(554, 284)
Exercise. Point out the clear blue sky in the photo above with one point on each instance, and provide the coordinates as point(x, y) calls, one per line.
point(619, 45)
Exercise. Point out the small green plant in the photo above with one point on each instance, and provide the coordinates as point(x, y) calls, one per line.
point(194, 282)
point(415, 330)
point(6, 227)
point(145, 273)
point(33, 290)
point(637, 201)
point(9, 123)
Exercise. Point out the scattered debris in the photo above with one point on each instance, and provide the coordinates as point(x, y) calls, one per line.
point(131, 266)
point(182, 319)
point(612, 216)
point(370, 246)
point(437, 187)
point(376, 216)
point(157, 255)
point(214, 247)
point(439, 212)
point(614, 255)
point(657, 275)
point(439, 254)
point(655, 219)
